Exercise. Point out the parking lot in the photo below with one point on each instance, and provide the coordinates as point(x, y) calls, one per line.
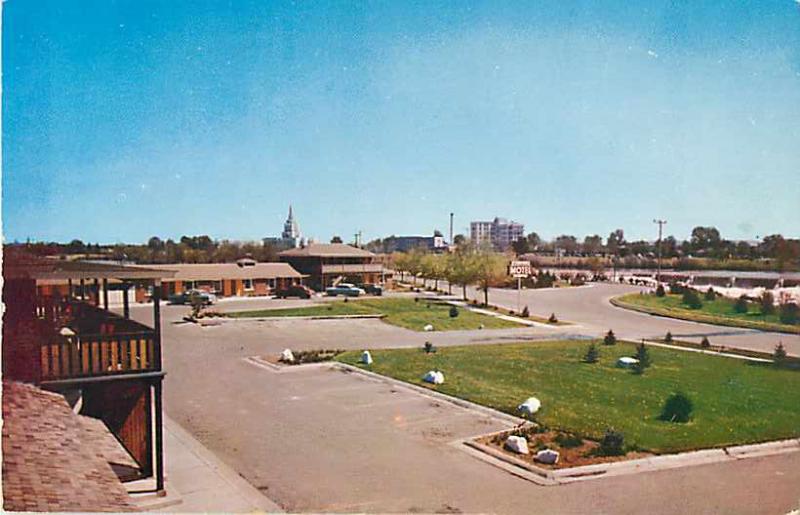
point(313, 439)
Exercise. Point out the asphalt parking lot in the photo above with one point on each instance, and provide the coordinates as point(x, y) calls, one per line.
point(313, 439)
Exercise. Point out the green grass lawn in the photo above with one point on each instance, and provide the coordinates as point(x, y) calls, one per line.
point(400, 311)
point(735, 401)
point(719, 311)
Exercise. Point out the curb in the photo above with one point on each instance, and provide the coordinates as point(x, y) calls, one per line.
point(309, 317)
point(280, 369)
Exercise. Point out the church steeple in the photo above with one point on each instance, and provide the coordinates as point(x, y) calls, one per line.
point(290, 228)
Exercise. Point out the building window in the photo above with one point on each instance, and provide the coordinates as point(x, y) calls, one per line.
point(248, 284)
point(188, 285)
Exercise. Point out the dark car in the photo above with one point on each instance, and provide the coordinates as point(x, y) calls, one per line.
point(296, 290)
point(185, 297)
point(372, 289)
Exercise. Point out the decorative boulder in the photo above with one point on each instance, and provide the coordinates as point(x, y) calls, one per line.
point(530, 406)
point(626, 362)
point(66, 331)
point(547, 456)
point(517, 444)
point(366, 358)
point(287, 356)
point(428, 328)
point(434, 377)
point(481, 326)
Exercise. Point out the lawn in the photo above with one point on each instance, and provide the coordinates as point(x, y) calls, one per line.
point(399, 311)
point(735, 401)
point(719, 311)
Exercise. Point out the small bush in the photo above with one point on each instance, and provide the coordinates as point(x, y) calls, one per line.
point(568, 441)
point(416, 299)
point(525, 312)
point(740, 306)
point(677, 408)
point(710, 294)
point(453, 311)
point(610, 338)
point(347, 299)
point(789, 313)
point(779, 355)
point(677, 288)
point(660, 292)
point(592, 354)
point(704, 343)
point(612, 443)
point(668, 337)
point(552, 319)
point(691, 299)
point(644, 359)
point(429, 348)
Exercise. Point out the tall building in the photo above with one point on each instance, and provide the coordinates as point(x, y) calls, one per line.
point(290, 237)
point(499, 233)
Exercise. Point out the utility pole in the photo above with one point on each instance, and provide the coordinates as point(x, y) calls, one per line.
point(451, 228)
point(661, 224)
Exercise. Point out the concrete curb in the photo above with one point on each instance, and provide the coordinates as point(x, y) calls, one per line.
point(708, 352)
point(230, 476)
point(310, 317)
point(280, 369)
point(510, 318)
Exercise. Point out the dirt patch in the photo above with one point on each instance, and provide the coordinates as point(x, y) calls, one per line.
point(573, 450)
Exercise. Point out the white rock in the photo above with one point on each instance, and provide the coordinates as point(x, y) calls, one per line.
point(428, 327)
point(366, 358)
point(517, 444)
point(287, 356)
point(530, 406)
point(547, 456)
point(434, 377)
point(66, 331)
point(626, 362)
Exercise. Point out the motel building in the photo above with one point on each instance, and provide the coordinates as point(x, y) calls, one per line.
point(327, 264)
point(244, 278)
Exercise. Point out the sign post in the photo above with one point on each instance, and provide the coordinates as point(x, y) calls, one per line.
point(519, 269)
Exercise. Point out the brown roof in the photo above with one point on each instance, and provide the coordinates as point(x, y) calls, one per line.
point(19, 264)
point(53, 459)
point(327, 250)
point(219, 271)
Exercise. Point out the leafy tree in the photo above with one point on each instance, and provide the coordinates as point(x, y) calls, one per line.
point(767, 302)
point(461, 268)
point(691, 299)
point(677, 408)
point(155, 243)
point(336, 239)
point(491, 270)
point(459, 239)
point(568, 243)
point(705, 239)
point(592, 354)
point(533, 240)
point(615, 240)
point(520, 246)
point(592, 244)
point(610, 338)
point(660, 290)
point(433, 266)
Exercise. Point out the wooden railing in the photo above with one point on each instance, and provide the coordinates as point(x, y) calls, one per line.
point(89, 355)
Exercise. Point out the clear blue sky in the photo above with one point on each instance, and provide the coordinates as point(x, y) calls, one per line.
point(127, 119)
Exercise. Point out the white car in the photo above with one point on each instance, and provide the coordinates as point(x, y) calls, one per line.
point(346, 289)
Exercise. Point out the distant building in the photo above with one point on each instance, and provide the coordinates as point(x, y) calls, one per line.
point(406, 243)
point(290, 237)
point(499, 233)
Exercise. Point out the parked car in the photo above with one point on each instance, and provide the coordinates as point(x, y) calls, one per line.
point(185, 297)
point(372, 289)
point(346, 289)
point(296, 290)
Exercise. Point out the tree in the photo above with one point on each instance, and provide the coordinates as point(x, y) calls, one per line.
point(767, 302)
point(710, 294)
point(155, 243)
point(533, 240)
point(643, 358)
point(592, 244)
point(677, 408)
point(414, 263)
point(433, 267)
point(740, 306)
point(520, 246)
point(491, 270)
point(336, 239)
point(615, 240)
point(705, 343)
point(568, 243)
point(691, 299)
point(660, 290)
point(779, 355)
point(610, 338)
point(789, 313)
point(705, 240)
point(459, 239)
point(461, 268)
point(592, 354)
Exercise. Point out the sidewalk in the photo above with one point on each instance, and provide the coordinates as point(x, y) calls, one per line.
point(197, 481)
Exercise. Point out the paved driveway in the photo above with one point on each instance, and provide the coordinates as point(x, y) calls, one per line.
point(322, 440)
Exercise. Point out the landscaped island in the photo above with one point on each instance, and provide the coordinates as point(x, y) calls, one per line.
point(403, 312)
point(735, 401)
point(720, 311)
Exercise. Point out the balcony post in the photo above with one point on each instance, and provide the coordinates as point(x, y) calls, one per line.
point(157, 320)
point(126, 309)
point(105, 294)
point(96, 290)
point(69, 289)
point(83, 289)
point(159, 438)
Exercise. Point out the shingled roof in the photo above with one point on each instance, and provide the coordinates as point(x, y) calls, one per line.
point(53, 459)
point(327, 250)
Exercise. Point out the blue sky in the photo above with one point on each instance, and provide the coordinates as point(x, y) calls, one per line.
point(127, 119)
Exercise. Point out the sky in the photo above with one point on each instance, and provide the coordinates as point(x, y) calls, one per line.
point(127, 119)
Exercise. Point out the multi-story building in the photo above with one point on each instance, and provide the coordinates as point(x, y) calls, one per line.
point(290, 237)
point(326, 264)
point(433, 243)
point(500, 232)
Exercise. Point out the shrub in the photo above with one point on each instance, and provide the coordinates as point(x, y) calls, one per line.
point(314, 355)
point(741, 305)
point(789, 313)
point(592, 354)
point(453, 311)
point(643, 357)
point(677, 408)
point(704, 343)
point(568, 441)
point(525, 312)
point(767, 302)
point(710, 294)
point(668, 337)
point(612, 443)
point(691, 299)
point(677, 288)
point(552, 319)
point(779, 355)
point(429, 348)
point(347, 299)
point(416, 299)
point(609, 338)
point(660, 292)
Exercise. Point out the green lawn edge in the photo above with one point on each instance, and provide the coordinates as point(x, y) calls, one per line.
point(625, 302)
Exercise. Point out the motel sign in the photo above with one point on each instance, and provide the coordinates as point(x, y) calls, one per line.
point(519, 269)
